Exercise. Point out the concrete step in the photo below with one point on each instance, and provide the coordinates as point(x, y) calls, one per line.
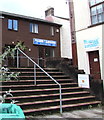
point(48, 102)
point(45, 95)
point(69, 106)
point(43, 77)
point(32, 69)
point(39, 85)
point(47, 89)
point(47, 81)
point(47, 92)
point(70, 94)
point(41, 73)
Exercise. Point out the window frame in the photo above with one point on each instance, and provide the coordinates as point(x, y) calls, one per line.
point(34, 28)
point(98, 17)
point(52, 30)
point(13, 24)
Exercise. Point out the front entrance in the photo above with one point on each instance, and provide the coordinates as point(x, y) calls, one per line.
point(45, 52)
point(94, 64)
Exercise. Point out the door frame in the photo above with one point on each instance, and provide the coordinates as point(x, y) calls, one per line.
point(94, 55)
point(42, 50)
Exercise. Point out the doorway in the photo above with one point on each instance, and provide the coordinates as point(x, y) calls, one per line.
point(44, 53)
point(94, 64)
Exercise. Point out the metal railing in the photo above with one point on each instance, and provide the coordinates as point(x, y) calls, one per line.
point(36, 65)
point(11, 62)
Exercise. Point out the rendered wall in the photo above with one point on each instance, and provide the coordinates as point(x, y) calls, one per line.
point(85, 32)
point(65, 37)
point(88, 34)
point(82, 14)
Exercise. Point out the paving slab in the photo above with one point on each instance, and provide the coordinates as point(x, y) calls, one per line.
point(70, 115)
point(87, 114)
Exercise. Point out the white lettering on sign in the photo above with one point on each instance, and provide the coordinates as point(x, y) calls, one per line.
point(91, 43)
point(37, 41)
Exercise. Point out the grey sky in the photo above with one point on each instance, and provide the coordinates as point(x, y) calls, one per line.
point(34, 8)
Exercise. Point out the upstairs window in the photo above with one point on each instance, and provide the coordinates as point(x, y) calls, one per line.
point(12, 24)
point(34, 28)
point(52, 30)
point(94, 2)
point(97, 11)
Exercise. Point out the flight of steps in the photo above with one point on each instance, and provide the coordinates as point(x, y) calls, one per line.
point(44, 96)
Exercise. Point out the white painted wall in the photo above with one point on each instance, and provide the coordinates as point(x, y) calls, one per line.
point(88, 34)
point(82, 14)
point(65, 36)
point(83, 32)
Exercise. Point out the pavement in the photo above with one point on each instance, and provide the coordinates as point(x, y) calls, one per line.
point(86, 114)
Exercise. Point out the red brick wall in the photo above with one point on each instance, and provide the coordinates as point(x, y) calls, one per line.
point(23, 34)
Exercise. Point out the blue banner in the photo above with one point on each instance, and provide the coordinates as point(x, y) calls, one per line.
point(37, 41)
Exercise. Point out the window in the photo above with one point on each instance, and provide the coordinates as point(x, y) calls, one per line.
point(52, 30)
point(34, 28)
point(97, 11)
point(12, 24)
point(94, 2)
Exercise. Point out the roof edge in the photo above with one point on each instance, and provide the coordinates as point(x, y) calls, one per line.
point(27, 17)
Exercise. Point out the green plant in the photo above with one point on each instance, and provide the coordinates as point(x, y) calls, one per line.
point(90, 106)
point(99, 105)
point(10, 51)
point(5, 74)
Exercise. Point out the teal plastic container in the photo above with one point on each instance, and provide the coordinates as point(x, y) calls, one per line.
point(11, 111)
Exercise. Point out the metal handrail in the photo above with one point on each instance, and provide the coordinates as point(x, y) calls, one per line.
point(35, 64)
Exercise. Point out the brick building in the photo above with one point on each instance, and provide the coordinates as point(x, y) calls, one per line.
point(41, 37)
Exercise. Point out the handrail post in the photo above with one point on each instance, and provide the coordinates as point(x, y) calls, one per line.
point(60, 99)
point(34, 74)
point(17, 58)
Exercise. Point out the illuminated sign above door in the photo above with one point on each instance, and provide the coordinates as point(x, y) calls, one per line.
point(37, 41)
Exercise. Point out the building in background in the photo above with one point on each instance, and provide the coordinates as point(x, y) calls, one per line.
point(41, 37)
point(89, 20)
point(65, 33)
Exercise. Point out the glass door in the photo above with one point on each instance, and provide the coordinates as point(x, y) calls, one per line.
point(45, 52)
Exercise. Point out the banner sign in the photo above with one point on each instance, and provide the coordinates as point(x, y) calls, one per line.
point(91, 43)
point(37, 41)
point(83, 80)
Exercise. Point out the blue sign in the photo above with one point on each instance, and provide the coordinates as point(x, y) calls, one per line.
point(91, 43)
point(37, 41)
